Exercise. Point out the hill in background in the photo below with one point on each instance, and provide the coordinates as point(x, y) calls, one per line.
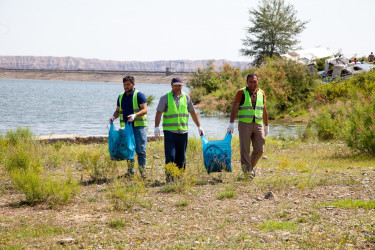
point(77, 63)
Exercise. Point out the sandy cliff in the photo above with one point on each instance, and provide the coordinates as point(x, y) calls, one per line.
point(77, 63)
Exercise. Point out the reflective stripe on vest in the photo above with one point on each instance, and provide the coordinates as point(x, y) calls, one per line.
point(174, 119)
point(246, 112)
point(138, 121)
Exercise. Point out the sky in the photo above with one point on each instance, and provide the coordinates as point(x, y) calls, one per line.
point(149, 30)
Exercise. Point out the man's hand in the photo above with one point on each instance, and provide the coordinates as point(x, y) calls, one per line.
point(266, 130)
point(131, 117)
point(157, 132)
point(112, 119)
point(200, 131)
point(230, 128)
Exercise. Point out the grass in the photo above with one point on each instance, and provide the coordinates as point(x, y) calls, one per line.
point(271, 226)
point(324, 198)
point(228, 193)
point(115, 223)
point(353, 204)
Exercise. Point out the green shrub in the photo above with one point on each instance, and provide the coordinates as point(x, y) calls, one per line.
point(125, 197)
point(331, 121)
point(40, 189)
point(352, 121)
point(97, 164)
point(197, 95)
point(18, 158)
point(343, 90)
point(18, 135)
point(150, 99)
point(286, 84)
point(326, 126)
point(361, 126)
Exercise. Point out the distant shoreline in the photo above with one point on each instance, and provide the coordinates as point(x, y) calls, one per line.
point(89, 76)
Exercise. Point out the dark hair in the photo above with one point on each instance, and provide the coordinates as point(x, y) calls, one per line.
point(251, 75)
point(128, 78)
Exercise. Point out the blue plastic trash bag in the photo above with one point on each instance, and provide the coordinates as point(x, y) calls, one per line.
point(121, 143)
point(217, 155)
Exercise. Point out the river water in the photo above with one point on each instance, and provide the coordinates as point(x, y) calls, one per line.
point(84, 108)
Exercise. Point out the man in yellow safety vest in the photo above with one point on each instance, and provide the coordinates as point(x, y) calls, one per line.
point(132, 104)
point(250, 104)
point(176, 107)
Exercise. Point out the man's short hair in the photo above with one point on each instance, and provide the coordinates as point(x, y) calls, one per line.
point(251, 75)
point(128, 78)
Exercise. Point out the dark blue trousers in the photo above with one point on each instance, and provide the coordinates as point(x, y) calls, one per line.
point(175, 148)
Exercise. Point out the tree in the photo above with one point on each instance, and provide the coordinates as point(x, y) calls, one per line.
point(273, 31)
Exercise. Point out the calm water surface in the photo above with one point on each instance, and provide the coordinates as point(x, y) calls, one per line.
point(61, 107)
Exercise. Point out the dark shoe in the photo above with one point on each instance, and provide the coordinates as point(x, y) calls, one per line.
point(129, 175)
point(143, 176)
point(249, 175)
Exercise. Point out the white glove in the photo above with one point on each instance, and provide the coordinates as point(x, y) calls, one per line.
point(200, 131)
point(131, 117)
point(112, 119)
point(266, 130)
point(231, 128)
point(157, 132)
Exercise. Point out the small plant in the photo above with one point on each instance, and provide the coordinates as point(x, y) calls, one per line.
point(228, 193)
point(179, 185)
point(41, 189)
point(181, 203)
point(18, 158)
point(172, 171)
point(150, 99)
point(19, 135)
point(115, 223)
point(97, 165)
point(284, 163)
point(125, 197)
point(271, 226)
point(58, 145)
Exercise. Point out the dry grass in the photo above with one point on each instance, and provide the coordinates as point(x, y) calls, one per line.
point(221, 210)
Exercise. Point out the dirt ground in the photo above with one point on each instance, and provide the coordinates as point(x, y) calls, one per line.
point(201, 211)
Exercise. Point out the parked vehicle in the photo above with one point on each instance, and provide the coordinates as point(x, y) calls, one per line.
point(342, 68)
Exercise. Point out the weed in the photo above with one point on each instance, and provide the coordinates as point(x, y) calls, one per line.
point(18, 159)
point(97, 165)
point(116, 223)
point(19, 135)
point(271, 226)
point(228, 193)
point(125, 197)
point(39, 189)
point(58, 145)
point(181, 203)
